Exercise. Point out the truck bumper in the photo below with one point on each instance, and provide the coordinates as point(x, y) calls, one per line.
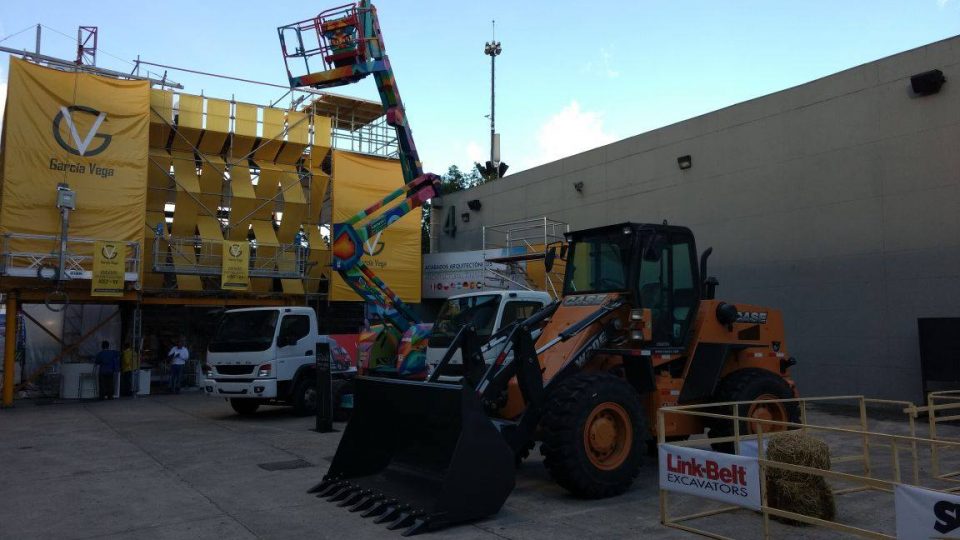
point(256, 388)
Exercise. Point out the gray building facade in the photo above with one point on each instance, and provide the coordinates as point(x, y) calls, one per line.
point(837, 201)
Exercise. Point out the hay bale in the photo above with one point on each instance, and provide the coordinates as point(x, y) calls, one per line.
point(798, 492)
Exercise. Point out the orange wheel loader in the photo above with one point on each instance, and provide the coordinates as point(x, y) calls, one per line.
point(637, 328)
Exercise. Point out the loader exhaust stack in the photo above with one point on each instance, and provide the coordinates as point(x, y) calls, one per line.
point(419, 456)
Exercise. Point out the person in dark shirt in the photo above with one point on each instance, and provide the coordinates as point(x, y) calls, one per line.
point(108, 363)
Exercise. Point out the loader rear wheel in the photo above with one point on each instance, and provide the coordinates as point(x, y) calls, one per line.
point(752, 384)
point(593, 433)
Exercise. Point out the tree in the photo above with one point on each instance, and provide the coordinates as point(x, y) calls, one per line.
point(455, 180)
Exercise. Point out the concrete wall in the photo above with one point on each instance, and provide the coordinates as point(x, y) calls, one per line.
point(837, 201)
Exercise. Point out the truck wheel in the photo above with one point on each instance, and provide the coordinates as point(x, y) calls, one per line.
point(245, 407)
point(305, 397)
point(593, 431)
point(752, 384)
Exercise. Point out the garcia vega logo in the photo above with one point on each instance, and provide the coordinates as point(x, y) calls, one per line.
point(90, 144)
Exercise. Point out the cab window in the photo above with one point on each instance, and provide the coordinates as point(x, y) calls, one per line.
point(293, 328)
point(518, 310)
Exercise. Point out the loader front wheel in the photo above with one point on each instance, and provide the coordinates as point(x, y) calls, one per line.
point(593, 431)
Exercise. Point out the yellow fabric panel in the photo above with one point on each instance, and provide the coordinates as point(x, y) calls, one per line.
point(294, 204)
point(268, 187)
point(298, 128)
point(185, 259)
point(189, 283)
point(209, 228)
point(272, 138)
point(187, 207)
point(535, 270)
point(216, 127)
point(211, 181)
point(318, 259)
point(152, 280)
point(89, 131)
point(319, 182)
point(358, 182)
point(292, 286)
point(321, 132)
point(244, 130)
point(266, 250)
point(161, 117)
point(243, 200)
point(158, 180)
point(189, 123)
point(298, 136)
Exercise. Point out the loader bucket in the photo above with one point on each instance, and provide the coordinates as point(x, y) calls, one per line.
point(419, 456)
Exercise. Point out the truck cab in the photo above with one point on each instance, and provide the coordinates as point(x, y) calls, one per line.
point(488, 312)
point(264, 356)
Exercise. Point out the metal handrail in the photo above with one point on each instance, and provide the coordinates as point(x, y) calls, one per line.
point(27, 263)
point(204, 257)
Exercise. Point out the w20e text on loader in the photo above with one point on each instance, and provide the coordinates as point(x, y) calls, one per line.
point(637, 328)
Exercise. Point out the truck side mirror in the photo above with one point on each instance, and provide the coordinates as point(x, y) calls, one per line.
point(549, 258)
point(563, 251)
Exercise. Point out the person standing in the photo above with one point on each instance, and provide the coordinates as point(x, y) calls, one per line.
point(178, 356)
point(108, 363)
point(129, 364)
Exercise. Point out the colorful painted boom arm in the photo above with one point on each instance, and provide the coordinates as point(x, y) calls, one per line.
point(351, 236)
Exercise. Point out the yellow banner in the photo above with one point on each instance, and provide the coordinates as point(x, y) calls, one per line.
point(235, 274)
point(84, 130)
point(358, 182)
point(108, 268)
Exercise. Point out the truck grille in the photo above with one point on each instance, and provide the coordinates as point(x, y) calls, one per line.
point(235, 370)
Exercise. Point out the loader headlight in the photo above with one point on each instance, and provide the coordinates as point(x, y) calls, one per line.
point(636, 335)
point(636, 314)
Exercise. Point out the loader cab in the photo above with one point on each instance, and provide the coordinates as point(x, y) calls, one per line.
point(655, 265)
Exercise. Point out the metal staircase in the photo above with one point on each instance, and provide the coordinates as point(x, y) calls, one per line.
point(509, 248)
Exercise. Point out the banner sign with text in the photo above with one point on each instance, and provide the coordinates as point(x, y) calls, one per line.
point(235, 274)
point(924, 513)
point(108, 268)
point(722, 477)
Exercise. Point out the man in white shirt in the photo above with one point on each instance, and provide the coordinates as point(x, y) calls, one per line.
point(178, 356)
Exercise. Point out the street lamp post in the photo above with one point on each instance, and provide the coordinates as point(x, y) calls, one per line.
point(493, 49)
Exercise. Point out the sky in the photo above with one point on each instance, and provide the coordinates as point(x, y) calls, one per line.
point(572, 75)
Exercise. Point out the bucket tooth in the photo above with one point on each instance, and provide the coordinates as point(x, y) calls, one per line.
point(378, 508)
point(354, 497)
point(366, 502)
point(405, 519)
point(324, 484)
point(419, 525)
point(339, 494)
point(391, 513)
point(330, 489)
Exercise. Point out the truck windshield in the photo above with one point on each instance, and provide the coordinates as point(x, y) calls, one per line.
point(599, 264)
point(480, 311)
point(245, 331)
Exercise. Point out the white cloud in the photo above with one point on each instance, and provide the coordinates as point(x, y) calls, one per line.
point(475, 154)
point(568, 132)
point(943, 3)
point(603, 66)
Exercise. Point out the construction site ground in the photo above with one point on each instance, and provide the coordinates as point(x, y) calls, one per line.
point(185, 466)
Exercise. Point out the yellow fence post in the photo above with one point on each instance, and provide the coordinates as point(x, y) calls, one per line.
point(866, 437)
point(9, 350)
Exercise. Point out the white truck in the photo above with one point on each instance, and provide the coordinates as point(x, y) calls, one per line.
point(488, 312)
point(268, 356)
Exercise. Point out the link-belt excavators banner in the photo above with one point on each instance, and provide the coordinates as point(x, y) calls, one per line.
point(394, 255)
point(83, 130)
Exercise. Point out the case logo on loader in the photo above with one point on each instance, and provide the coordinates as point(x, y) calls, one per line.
point(754, 317)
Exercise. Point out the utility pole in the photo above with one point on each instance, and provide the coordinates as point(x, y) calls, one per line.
point(492, 49)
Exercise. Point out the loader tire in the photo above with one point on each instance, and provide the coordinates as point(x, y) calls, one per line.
point(593, 435)
point(245, 407)
point(751, 384)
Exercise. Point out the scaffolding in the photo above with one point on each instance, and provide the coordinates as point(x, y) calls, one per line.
point(357, 125)
point(509, 247)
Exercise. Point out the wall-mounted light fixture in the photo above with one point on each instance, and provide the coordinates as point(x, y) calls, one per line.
point(928, 82)
point(465, 217)
point(685, 162)
point(578, 186)
point(474, 204)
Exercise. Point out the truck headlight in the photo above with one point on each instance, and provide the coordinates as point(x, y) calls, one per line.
point(264, 370)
